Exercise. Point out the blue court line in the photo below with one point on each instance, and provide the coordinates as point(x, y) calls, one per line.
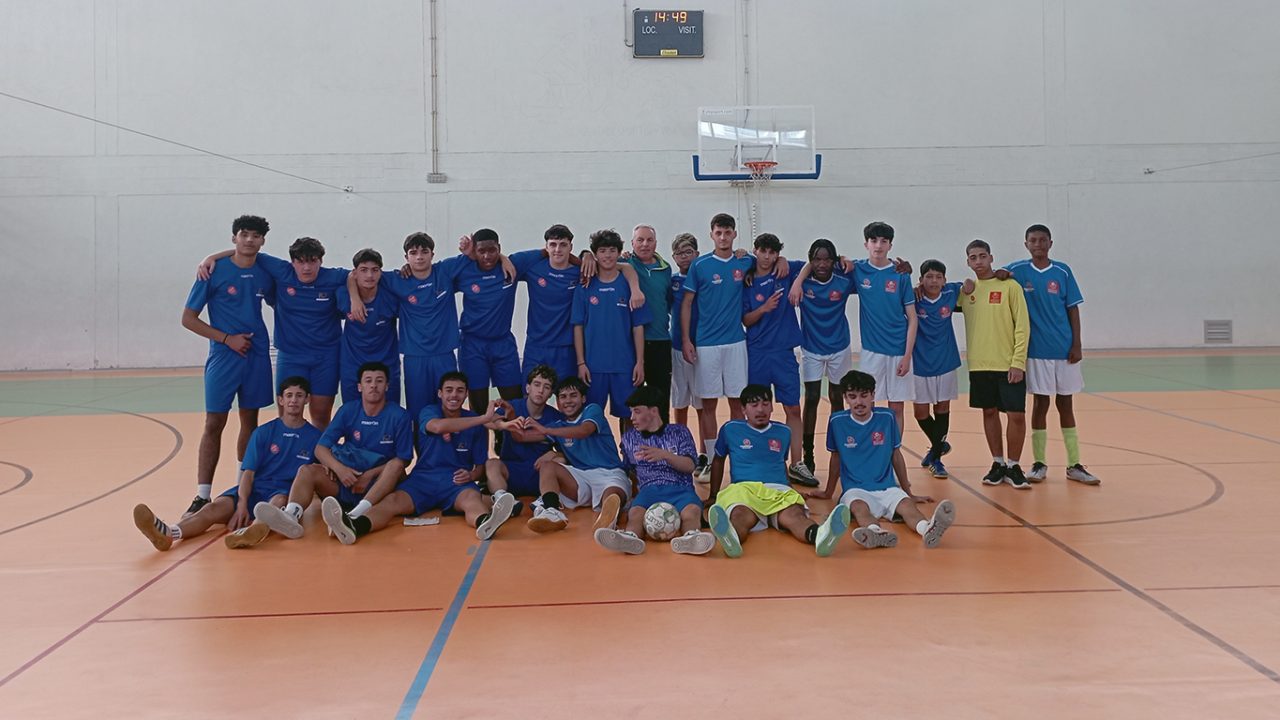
point(428, 666)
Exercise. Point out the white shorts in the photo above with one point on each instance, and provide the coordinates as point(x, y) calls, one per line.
point(1054, 377)
point(721, 370)
point(882, 502)
point(591, 486)
point(833, 367)
point(764, 522)
point(936, 388)
point(682, 395)
point(884, 368)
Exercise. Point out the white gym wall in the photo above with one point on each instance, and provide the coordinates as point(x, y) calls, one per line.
point(949, 120)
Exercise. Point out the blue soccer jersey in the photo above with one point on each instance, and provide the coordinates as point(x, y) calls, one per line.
point(675, 439)
point(717, 283)
point(755, 454)
point(677, 302)
point(824, 324)
point(1049, 293)
point(389, 433)
point(603, 309)
point(373, 339)
point(526, 452)
point(449, 451)
point(594, 451)
point(488, 301)
point(428, 314)
point(866, 449)
point(276, 451)
point(307, 317)
point(935, 352)
point(551, 294)
point(234, 296)
point(883, 297)
point(777, 329)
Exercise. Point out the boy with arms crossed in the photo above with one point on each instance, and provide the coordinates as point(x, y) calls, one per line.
point(866, 454)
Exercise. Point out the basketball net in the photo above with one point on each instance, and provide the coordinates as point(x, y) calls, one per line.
point(761, 173)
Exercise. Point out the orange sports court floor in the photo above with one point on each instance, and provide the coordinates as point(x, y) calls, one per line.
point(1154, 595)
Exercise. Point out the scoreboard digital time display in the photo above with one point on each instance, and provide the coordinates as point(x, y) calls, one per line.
point(667, 33)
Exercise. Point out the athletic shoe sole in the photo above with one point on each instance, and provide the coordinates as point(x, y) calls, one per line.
point(724, 532)
point(1024, 485)
point(149, 525)
point(694, 543)
point(870, 539)
point(500, 513)
point(831, 529)
point(248, 537)
point(543, 524)
point(611, 539)
point(278, 520)
point(331, 511)
point(609, 509)
point(943, 516)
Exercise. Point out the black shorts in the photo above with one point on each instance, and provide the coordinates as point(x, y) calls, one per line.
point(992, 389)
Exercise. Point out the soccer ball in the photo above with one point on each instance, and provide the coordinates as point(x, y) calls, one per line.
point(661, 521)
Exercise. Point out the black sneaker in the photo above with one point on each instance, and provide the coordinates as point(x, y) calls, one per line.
point(995, 476)
point(1013, 475)
point(517, 509)
point(195, 506)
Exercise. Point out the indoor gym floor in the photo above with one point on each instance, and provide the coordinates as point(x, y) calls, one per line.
point(1155, 595)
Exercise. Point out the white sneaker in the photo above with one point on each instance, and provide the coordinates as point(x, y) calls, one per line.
point(500, 513)
point(278, 520)
point(621, 541)
point(1079, 474)
point(694, 542)
point(943, 516)
point(546, 520)
point(331, 511)
point(870, 538)
point(1038, 472)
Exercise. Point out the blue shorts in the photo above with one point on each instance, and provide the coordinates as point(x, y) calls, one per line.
point(319, 368)
point(227, 376)
point(422, 375)
point(777, 368)
point(522, 479)
point(434, 491)
point(351, 382)
point(562, 359)
point(261, 492)
point(349, 498)
point(681, 496)
point(490, 362)
point(614, 387)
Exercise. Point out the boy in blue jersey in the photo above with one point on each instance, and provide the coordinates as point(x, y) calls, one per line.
point(372, 339)
point(588, 472)
point(935, 361)
point(684, 250)
point(376, 446)
point(660, 457)
point(488, 348)
point(239, 363)
point(1053, 354)
point(772, 337)
point(655, 280)
point(452, 448)
point(758, 496)
point(608, 336)
point(516, 468)
point(276, 452)
point(308, 324)
point(866, 454)
point(886, 320)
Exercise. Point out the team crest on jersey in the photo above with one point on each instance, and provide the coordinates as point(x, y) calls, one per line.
point(866, 283)
point(759, 297)
point(594, 300)
point(291, 291)
point(1053, 287)
point(834, 296)
point(542, 282)
point(737, 275)
point(448, 437)
point(746, 444)
point(922, 313)
point(775, 445)
point(231, 290)
point(356, 434)
point(891, 286)
point(716, 279)
point(877, 438)
point(568, 442)
point(475, 288)
point(994, 297)
point(849, 442)
point(275, 449)
point(413, 299)
point(945, 312)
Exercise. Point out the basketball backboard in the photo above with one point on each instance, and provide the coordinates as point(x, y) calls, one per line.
point(731, 138)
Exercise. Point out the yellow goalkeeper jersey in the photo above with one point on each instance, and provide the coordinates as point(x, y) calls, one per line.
point(996, 325)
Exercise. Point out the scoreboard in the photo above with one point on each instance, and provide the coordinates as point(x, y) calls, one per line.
point(667, 33)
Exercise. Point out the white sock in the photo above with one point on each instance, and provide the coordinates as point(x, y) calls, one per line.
point(361, 508)
point(294, 509)
point(710, 446)
point(874, 527)
point(498, 493)
point(998, 459)
point(204, 491)
point(175, 532)
point(922, 526)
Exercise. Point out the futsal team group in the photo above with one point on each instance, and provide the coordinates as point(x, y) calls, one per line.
point(645, 337)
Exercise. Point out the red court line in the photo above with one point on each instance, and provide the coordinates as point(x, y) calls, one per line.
point(47, 651)
point(1214, 587)
point(318, 613)
point(727, 598)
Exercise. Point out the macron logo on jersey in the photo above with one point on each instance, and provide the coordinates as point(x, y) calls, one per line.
point(849, 442)
point(866, 283)
point(387, 440)
point(716, 279)
point(746, 444)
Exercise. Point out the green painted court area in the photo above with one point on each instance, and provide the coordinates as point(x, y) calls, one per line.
point(82, 394)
